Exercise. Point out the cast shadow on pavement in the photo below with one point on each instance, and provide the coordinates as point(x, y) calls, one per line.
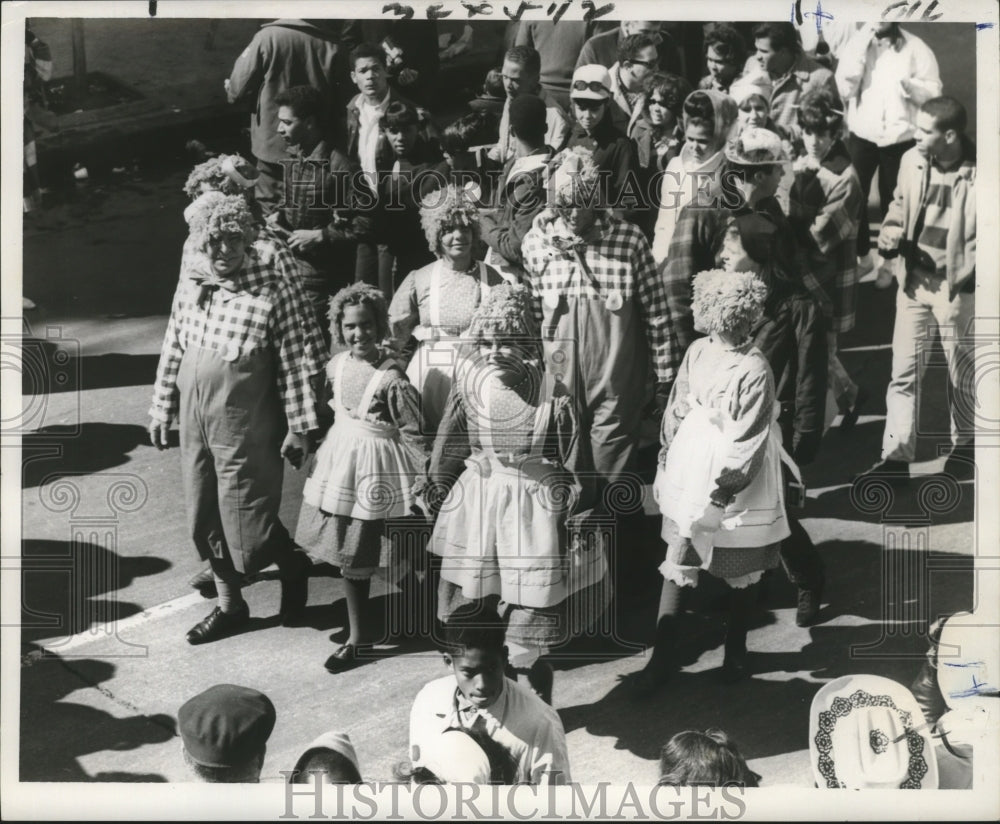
point(871, 625)
point(64, 584)
point(55, 733)
point(57, 451)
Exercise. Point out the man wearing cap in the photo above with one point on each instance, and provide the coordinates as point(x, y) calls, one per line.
point(520, 194)
point(224, 731)
point(931, 226)
point(602, 309)
point(520, 72)
point(778, 51)
point(284, 53)
point(594, 130)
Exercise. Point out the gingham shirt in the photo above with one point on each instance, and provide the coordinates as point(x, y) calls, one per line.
point(619, 257)
point(265, 310)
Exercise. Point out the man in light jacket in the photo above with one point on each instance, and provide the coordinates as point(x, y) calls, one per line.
point(884, 76)
point(931, 225)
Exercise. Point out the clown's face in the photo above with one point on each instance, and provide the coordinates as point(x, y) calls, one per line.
point(227, 252)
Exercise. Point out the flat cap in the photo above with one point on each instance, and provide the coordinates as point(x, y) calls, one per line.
point(225, 725)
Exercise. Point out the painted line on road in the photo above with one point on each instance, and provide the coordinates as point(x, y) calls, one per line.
point(110, 629)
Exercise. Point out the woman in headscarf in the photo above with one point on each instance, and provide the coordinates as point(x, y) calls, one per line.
point(709, 119)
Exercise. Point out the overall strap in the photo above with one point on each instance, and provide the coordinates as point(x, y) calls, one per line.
point(434, 307)
point(542, 415)
point(484, 282)
point(338, 382)
point(373, 384)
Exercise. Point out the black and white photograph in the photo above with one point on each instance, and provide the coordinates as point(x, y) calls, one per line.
point(473, 410)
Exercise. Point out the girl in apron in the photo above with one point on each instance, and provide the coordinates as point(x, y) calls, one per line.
point(434, 304)
point(719, 482)
point(366, 467)
point(506, 531)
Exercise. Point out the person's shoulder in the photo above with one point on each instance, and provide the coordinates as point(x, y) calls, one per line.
point(437, 691)
point(526, 707)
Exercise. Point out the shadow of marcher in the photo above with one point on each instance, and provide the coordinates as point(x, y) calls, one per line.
point(882, 629)
point(62, 584)
point(55, 451)
point(55, 733)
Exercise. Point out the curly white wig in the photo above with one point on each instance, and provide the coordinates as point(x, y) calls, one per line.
point(727, 302)
point(214, 214)
point(359, 294)
point(446, 209)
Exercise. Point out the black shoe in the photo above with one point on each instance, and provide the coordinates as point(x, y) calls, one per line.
point(541, 677)
point(295, 592)
point(808, 608)
point(218, 625)
point(348, 657)
point(204, 582)
point(889, 470)
point(851, 415)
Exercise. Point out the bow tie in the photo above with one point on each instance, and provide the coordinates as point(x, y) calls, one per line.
point(211, 283)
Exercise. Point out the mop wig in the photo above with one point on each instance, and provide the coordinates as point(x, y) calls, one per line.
point(229, 174)
point(358, 294)
point(727, 302)
point(573, 178)
point(214, 214)
point(504, 313)
point(447, 209)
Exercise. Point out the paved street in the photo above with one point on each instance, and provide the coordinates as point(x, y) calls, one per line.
point(106, 603)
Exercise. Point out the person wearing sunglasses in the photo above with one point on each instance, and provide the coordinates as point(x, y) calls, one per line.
point(637, 59)
point(602, 48)
point(594, 130)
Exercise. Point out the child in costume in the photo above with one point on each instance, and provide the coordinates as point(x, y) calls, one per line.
point(366, 467)
point(719, 482)
point(236, 370)
point(510, 451)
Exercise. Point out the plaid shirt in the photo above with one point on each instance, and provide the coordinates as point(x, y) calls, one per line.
point(264, 310)
point(619, 258)
point(824, 209)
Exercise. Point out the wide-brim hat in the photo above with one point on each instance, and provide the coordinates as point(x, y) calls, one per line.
point(867, 732)
point(756, 147)
point(590, 82)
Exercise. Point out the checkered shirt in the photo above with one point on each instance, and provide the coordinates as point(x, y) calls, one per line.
point(619, 258)
point(265, 310)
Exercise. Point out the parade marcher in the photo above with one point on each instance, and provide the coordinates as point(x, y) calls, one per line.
point(931, 225)
point(436, 302)
point(477, 695)
point(224, 732)
point(520, 193)
point(236, 370)
point(694, 758)
point(316, 212)
point(602, 311)
point(636, 59)
point(695, 175)
point(520, 73)
point(778, 51)
point(825, 199)
point(725, 55)
point(329, 759)
point(885, 75)
point(602, 48)
point(594, 130)
point(719, 480)
point(366, 467)
point(792, 335)
point(510, 452)
point(282, 54)
point(754, 171)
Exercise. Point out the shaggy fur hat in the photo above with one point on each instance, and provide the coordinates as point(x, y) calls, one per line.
point(214, 214)
point(445, 209)
point(359, 294)
point(506, 312)
point(573, 174)
point(727, 302)
point(229, 174)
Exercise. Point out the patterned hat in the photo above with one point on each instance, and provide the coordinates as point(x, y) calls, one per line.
point(756, 147)
point(867, 732)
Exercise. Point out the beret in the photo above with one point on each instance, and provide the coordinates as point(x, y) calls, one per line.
point(225, 725)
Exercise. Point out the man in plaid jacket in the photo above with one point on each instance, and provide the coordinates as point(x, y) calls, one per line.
point(602, 310)
point(237, 371)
